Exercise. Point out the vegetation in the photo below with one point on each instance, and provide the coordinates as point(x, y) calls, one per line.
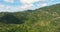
point(46, 19)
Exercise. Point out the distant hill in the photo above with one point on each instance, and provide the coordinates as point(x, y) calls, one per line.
point(45, 19)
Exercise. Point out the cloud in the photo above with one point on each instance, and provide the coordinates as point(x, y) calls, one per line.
point(28, 4)
point(11, 1)
point(30, 1)
point(45, 4)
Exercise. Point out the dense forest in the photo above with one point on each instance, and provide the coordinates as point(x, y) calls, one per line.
point(45, 19)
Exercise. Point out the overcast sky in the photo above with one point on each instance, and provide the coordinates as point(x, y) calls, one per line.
point(21, 5)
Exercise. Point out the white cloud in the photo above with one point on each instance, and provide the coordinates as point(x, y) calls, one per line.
point(11, 1)
point(25, 7)
point(27, 1)
point(28, 4)
point(1, 6)
point(30, 1)
point(45, 4)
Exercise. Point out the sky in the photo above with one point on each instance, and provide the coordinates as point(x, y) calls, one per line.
point(22, 5)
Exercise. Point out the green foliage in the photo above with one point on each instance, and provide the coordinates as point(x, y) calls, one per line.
point(46, 19)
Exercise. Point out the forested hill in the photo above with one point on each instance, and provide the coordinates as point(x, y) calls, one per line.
point(46, 19)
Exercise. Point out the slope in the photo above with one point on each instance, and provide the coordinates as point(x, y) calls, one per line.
point(46, 19)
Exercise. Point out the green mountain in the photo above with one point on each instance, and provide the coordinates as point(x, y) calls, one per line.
point(45, 19)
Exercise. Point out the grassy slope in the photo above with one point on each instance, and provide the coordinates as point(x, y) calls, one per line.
point(46, 19)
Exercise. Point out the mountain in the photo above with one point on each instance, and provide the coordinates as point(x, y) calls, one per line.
point(45, 19)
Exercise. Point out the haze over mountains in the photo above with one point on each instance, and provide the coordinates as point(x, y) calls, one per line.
point(45, 19)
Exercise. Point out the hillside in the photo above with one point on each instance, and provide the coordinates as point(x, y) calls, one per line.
point(46, 19)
